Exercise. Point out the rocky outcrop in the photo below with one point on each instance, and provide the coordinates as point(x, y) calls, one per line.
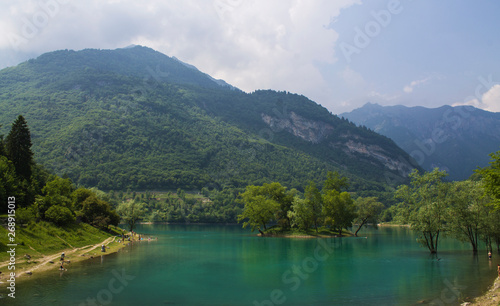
point(351, 144)
point(376, 152)
point(309, 130)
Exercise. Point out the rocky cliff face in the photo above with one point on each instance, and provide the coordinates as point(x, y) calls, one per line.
point(317, 132)
point(309, 130)
point(400, 165)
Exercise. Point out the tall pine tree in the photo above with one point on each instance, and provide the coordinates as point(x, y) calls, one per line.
point(18, 148)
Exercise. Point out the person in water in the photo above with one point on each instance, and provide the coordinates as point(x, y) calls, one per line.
point(489, 254)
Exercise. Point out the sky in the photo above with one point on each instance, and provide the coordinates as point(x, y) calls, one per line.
point(339, 53)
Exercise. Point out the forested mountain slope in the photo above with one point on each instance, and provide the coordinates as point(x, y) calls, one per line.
point(134, 118)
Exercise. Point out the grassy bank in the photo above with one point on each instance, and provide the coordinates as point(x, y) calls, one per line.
point(40, 244)
point(41, 238)
point(276, 231)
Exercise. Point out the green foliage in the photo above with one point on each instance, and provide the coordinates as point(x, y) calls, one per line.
point(269, 202)
point(491, 178)
point(98, 213)
point(423, 206)
point(59, 215)
point(468, 212)
point(131, 212)
point(79, 196)
point(260, 206)
point(338, 210)
point(18, 148)
point(58, 192)
point(9, 184)
point(335, 182)
point(368, 210)
point(25, 215)
point(301, 214)
point(313, 204)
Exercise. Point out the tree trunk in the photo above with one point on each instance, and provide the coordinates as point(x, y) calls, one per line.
point(360, 226)
point(261, 233)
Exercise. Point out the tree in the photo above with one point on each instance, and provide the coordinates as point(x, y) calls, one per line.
point(278, 193)
point(9, 184)
point(338, 210)
point(301, 214)
point(59, 215)
point(338, 207)
point(79, 196)
point(18, 148)
point(259, 209)
point(468, 211)
point(491, 230)
point(314, 203)
point(491, 178)
point(265, 203)
point(335, 182)
point(423, 206)
point(130, 212)
point(59, 191)
point(98, 213)
point(368, 211)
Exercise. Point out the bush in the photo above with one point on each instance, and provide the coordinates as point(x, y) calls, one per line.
point(25, 215)
point(59, 215)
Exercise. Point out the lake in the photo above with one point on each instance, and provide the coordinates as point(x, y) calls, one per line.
point(227, 265)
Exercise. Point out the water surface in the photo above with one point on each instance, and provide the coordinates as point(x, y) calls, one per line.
point(226, 265)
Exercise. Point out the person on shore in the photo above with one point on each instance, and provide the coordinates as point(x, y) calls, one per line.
point(61, 267)
point(103, 248)
point(62, 256)
point(498, 268)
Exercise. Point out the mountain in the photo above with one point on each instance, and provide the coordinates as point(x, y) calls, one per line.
point(457, 139)
point(134, 118)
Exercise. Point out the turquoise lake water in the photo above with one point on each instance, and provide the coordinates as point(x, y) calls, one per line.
point(227, 265)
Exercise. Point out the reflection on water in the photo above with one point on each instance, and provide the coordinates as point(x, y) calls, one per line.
point(226, 265)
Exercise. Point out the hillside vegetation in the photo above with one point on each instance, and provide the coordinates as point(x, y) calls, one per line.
point(137, 119)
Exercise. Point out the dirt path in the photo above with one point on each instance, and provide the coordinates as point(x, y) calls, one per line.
point(56, 257)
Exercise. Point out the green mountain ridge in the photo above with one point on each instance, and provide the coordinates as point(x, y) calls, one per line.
point(134, 118)
point(457, 139)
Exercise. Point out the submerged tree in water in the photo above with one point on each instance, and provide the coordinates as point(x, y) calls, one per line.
point(368, 210)
point(468, 212)
point(423, 206)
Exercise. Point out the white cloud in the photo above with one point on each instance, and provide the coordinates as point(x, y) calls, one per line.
point(409, 88)
point(489, 101)
point(257, 44)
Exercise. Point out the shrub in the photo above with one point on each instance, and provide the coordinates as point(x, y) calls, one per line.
point(59, 215)
point(25, 215)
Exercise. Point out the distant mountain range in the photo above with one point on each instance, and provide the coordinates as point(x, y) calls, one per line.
point(134, 118)
point(456, 139)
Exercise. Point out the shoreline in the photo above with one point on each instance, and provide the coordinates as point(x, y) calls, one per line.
point(489, 298)
point(51, 262)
